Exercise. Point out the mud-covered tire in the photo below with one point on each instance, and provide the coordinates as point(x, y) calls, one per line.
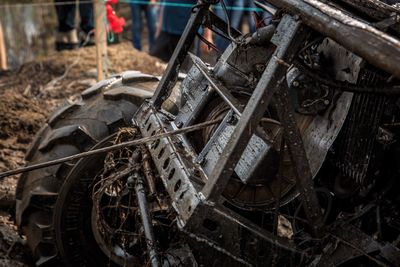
point(73, 128)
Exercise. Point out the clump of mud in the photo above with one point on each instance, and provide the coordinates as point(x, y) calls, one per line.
point(28, 96)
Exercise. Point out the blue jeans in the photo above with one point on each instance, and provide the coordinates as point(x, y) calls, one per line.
point(66, 16)
point(237, 15)
point(150, 13)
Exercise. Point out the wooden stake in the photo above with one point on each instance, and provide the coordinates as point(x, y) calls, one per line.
point(101, 39)
point(3, 51)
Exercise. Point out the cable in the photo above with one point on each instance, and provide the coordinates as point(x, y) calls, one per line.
point(109, 148)
point(345, 86)
point(208, 43)
point(228, 22)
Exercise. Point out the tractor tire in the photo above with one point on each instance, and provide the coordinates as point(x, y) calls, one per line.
point(73, 128)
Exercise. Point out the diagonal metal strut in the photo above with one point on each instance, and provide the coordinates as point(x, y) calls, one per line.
point(272, 81)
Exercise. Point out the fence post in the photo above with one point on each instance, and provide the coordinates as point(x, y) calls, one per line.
point(3, 51)
point(101, 39)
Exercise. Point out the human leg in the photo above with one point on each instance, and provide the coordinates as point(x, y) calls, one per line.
point(221, 42)
point(65, 16)
point(164, 46)
point(151, 17)
point(237, 14)
point(136, 26)
point(86, 13)
point(66, 36)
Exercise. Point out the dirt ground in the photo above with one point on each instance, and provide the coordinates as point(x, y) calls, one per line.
point(27, 96)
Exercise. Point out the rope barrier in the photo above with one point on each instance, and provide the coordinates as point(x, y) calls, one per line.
point(141, 2)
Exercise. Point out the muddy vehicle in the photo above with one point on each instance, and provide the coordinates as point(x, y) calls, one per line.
point(284, 153)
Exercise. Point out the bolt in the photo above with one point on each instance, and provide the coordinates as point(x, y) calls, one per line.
point(260, 67)
point(231, 119)
point(201, 161)
point(295, 83)
point(179, 124)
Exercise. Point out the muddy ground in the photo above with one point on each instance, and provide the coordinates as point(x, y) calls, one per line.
point(27, 96)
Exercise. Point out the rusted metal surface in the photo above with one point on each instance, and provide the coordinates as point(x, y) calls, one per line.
point(256, 145)
point(170, 76)
point(272, 77)
point(375, 46)
point(377, 10)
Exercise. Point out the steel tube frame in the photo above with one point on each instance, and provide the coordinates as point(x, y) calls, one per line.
point(213, 21)
point(272, 81)
point(289, 40)
point(146, 220)
point(219, 88)
point(170, 77)
point(201, 15)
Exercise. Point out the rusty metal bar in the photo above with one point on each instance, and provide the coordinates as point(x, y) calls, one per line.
point(304, 179)
point(146, 218)
point(170, 76)
point(274, 74)
point(223, 92)
point(378, 48)
point(213, 21)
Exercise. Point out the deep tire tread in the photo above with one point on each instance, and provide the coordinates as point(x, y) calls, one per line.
point(74, 128)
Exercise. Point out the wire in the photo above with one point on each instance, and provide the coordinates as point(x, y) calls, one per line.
point(141, 2)
point(208, 43)
point(110, 148)
point(46, 3)
point(345, 86)
point(228, 22)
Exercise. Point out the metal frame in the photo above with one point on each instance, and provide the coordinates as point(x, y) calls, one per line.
point(196, 194)
point(195, 191)
point(377, 47)
point(200, 16)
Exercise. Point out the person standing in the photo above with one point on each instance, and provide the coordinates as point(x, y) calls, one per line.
point(67, 34)
point(237, 10)
point(149, 11)
point(171, 24)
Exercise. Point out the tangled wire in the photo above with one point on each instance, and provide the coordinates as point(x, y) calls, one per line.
point(114, 204)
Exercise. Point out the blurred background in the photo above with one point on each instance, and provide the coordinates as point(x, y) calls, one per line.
point(29, 29)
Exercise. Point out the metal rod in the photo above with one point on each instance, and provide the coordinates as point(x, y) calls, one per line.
point(3, 51)
point(109, 148)
point(298, 156)
point(146, 219)
point(221, 90)
point(214, 22)
point(266, 7)
point(148, 173)
point(270, 80)
point(170, 76)
point(255, 229)
point(225, 94)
